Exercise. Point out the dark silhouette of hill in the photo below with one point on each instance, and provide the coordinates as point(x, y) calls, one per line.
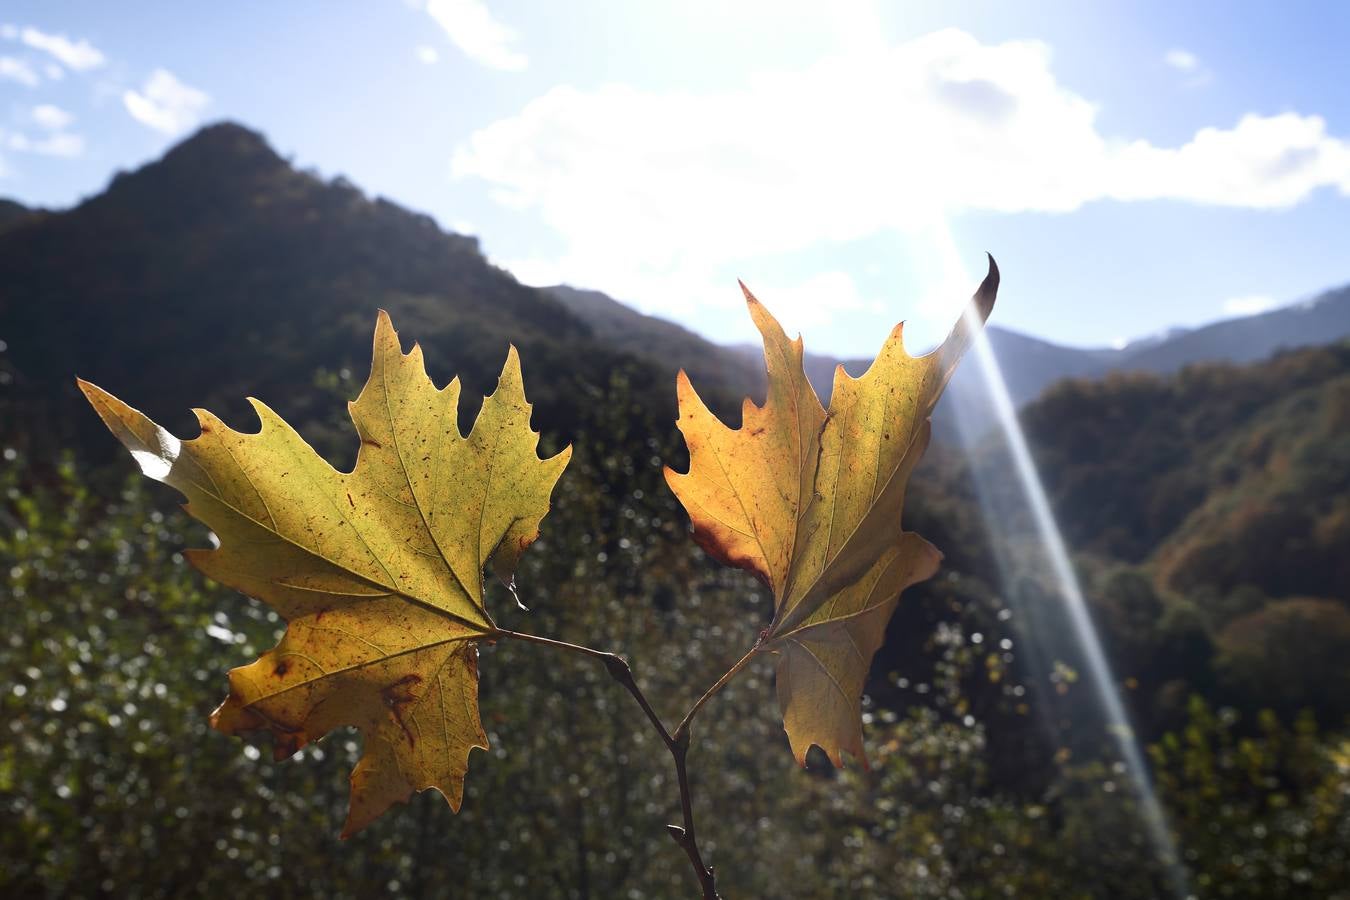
point(666, 345)
point(11, 213)
point(221, 271)
point(1029, 364)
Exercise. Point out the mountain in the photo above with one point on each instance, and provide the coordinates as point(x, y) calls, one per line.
point(12, 212)
point(1208, 511)
point(1323, 319)
point(966, 412)
point(220, 271)
point(1029, 364)
point(1137, 462)
point(224, 265)
point(664, 344)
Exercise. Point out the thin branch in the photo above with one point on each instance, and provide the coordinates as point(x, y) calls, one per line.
point(682, 730)
point(678, 746)
point(548, 642)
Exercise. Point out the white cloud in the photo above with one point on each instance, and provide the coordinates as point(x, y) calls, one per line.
point(1188, 63)
point(802, 305)
point(12, 69)
point(166, 104)
point(61, 144)
point(427, 55)
point(1182, 60)
point(78, 55)
point(471, 27)
point(658, 195)
point(1249, 305)
point(1264, 162)
point(52, 118)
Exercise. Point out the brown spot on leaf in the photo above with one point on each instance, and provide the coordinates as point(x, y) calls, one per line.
point(282, 668)
point(706, 539)
point(398, 695)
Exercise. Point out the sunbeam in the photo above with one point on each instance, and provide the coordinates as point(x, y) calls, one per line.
point(1050, 542)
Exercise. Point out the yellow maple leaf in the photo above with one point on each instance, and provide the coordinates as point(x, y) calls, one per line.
point(378, 571)
point(810, 501)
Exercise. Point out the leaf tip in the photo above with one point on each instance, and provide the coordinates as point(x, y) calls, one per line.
point(684, 393)
point(988, 290)
point(386, 338)
point(92, 392)
point(511, 373)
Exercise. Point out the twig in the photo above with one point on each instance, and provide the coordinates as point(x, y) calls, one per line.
point(682, 730)
point(678, 745)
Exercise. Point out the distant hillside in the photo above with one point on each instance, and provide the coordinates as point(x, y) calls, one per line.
point(1209, 515)
point(667, 346)
point(221, 271)
point(1221, 475)
point(1029, 366)
point(966, 412)
point(1321, 320)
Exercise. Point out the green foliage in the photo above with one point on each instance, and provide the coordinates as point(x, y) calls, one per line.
point(1210, 513)
point(111, 782)
point(1130, 459)
point(1260, 814)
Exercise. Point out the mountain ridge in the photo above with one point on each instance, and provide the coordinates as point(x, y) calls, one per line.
point(1029, 365)
point(223, 264)
point(222, 251)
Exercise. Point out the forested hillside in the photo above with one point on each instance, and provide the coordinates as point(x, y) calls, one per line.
point(1228, 486)
point(220, 271)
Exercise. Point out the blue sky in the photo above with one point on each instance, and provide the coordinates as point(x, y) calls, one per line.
point(1133, 166)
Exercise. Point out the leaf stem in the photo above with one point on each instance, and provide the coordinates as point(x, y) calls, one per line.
point(682, 730)
point(678, 745)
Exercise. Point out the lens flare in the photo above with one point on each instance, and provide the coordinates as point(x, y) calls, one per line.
point(1049, 544)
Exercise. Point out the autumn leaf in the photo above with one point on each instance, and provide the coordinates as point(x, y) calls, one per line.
point(378, 572)
point(811, 502)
